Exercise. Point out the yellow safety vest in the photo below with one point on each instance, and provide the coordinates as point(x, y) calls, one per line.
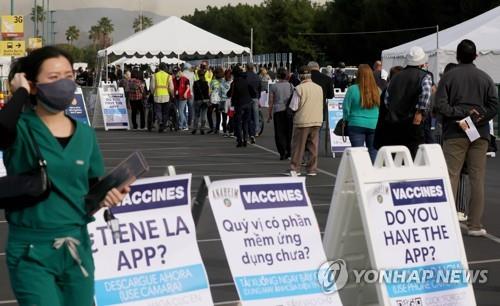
point(209, 75)
point(162, 79)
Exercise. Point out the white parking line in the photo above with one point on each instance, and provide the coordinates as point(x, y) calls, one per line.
point(477, 262)
point(8, 302)
point(488, 236)
point(227, 303)
point(222, 285)
point(276, 153)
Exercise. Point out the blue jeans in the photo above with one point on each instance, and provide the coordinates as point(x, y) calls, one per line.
point(190, 111)
point(359, 136)
point(200, 114)
point(181, 105)
point(254, 127)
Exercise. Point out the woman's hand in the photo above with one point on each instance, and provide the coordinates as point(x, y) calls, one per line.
point(114, 196)
point(20, 81)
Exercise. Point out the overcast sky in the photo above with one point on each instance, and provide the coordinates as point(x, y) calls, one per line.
point(161, 7)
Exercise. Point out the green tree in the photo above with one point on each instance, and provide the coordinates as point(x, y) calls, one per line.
point(146, 23)
point(106, 27)
point(40, 17)
point(72, 34)
point(94, 34)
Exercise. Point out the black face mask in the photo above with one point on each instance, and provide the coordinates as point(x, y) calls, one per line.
point(57, 95)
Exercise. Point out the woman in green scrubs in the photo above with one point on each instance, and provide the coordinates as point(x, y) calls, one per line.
point(49, 253)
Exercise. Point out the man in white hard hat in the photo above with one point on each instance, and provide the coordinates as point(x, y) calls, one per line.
point(408, 99)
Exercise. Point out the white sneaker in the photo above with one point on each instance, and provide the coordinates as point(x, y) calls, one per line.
point(292, 173)
point(477, 233)
point(462, 217)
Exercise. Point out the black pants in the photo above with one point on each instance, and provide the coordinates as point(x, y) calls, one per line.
point(213, 108)
point(406, 134)
point(283, 128)
point(137, 107)
point(242, 122)
point(224, 122)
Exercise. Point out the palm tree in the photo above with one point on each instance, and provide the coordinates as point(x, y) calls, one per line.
point(72, 34)
point(146, 23)
point(40, 16)
point(94, 34)
point(106, 27)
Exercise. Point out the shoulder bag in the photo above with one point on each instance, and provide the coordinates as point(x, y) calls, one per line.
point(26, 189)
point(341, 129)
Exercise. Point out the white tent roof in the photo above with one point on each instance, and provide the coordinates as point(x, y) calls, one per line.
point(483, 30)
point(146, 61)
point(172, 37)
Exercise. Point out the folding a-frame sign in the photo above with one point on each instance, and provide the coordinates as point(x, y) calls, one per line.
point(397, 217)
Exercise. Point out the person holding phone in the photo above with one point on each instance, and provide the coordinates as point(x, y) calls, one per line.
point(49, 254)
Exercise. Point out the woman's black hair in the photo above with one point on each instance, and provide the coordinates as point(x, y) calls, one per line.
point(32, 63)
point(16, 67)
point(134, 74)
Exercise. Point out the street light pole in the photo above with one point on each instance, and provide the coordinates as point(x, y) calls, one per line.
point(140, 17)
point(49, 34)
point(35, 20)
point(12, 7)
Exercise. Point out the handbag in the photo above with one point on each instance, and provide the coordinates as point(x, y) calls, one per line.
point(26, 189)
point(341, 129)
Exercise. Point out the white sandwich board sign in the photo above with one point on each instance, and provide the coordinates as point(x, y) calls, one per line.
point(272, 241)
point(397, 219)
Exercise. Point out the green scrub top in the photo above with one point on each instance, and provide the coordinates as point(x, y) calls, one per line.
point(69, 170)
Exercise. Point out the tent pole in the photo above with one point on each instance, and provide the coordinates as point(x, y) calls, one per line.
point(251, 45)
point(106, 64)
point(437, 36)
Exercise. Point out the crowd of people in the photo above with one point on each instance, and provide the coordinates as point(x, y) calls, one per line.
point(407, 108)
point(403, 107)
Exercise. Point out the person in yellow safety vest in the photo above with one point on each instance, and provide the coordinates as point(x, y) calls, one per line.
point(209, 75)
point(162, 88)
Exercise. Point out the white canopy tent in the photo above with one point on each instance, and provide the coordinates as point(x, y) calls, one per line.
point(146, 61)
point(441, 47)
point(174, 37)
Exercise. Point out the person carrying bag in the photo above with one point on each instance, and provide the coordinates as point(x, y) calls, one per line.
point(49, 255)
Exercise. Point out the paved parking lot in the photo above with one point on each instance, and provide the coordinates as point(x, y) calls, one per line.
point(218, 158)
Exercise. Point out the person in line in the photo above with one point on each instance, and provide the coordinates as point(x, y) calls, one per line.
point(380, 75)
point(242, 102)
point(182, 90)
point(49, 254)
point(467, 91)
point(135, 97)
point(216, 101)
point(360, 110)
point(264, 79)
point(162, 86)
point(326, 84)
point(280, 94)
point(340, 77)
point(188, 73)
point(225, 86)
point(255, 89)
point(408, 99)
point(201, 99)
point(384, 127)
point(307, 103)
